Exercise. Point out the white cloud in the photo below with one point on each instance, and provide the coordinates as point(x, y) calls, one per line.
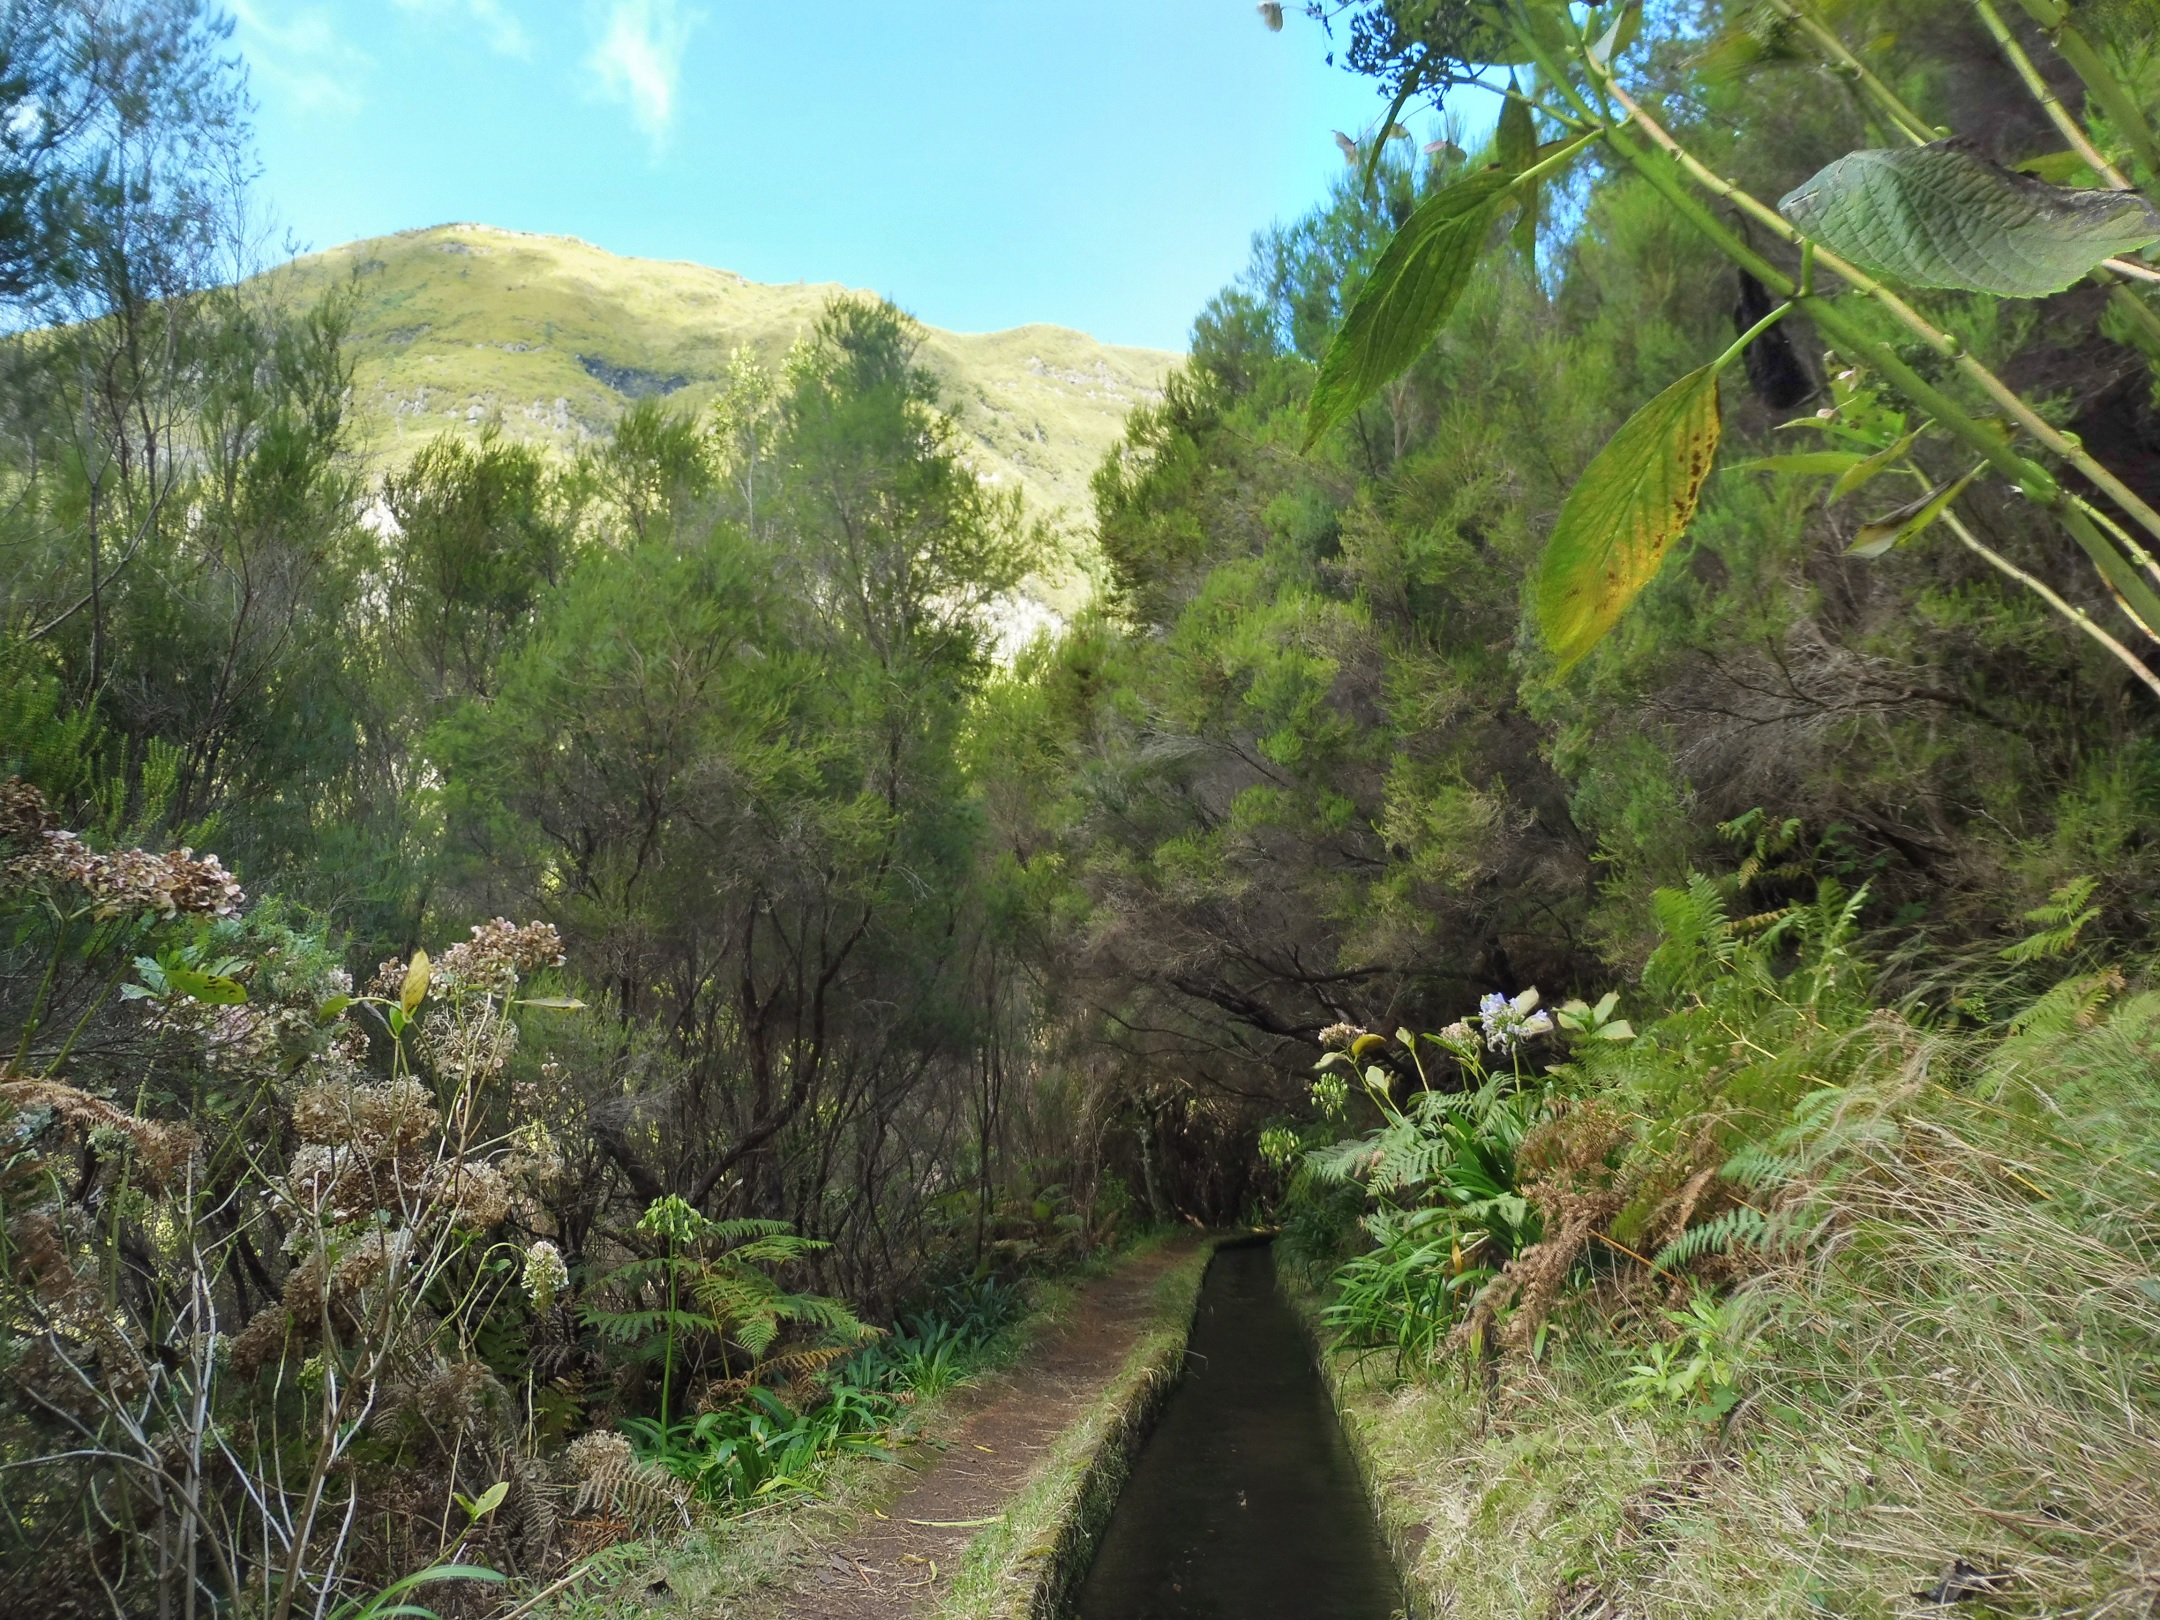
point(505, 34)
point(300, 54)
point(639, 61)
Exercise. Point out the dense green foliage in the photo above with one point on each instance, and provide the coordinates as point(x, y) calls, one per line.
point(1749, 1284)
point(1786, 817)
point(1314, 764)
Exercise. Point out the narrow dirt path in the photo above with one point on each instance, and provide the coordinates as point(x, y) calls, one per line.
point(895, 1565)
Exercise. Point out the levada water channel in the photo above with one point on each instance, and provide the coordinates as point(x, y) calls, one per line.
point(1245, 1501)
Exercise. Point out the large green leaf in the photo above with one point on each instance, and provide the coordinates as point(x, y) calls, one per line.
point(1631, 503)
point(1412, 291)
point(1515, 143)
point(1943, 216)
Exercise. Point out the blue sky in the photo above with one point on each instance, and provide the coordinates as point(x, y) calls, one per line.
point(1101, 164)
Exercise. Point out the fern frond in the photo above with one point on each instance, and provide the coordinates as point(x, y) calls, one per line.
point(1757, 1165)
point(2063, 918)
point(1341, 1161)
point(1742, 1227)
point(612, 1477)
point(1763, 919)
point(774, 1250)
point(755, 1332)
point(1699, 941)
point(728, 1292)
point(633, 1327)
point(796, 1365)
point(2072, 1004)
point(636, 1274)
point(820, 1310)
point(746, 1228)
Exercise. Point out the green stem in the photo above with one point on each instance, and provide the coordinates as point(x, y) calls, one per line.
point(2060, 444)
point(667, 1363)
point(1910, 124)
point(2115, 100)
point(37, 1005)
point(1387, 127)
point(2049, 101)
point(2136, 595)
point(1740, 343)
point(2121, 536)
point(2076, 615)
point(97, 1001)
point(1560, 159)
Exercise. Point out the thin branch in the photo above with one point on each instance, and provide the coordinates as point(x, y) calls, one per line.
point(2076, 615)
point(1910, 124)
point(2057, 113)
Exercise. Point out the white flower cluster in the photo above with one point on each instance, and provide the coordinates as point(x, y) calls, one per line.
point(546, 1276)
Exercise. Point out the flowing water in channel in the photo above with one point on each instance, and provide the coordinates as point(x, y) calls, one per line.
point(1245, 1501)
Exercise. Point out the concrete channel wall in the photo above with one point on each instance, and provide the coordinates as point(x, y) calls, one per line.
point(1038, 1556)
point(1403, 1533)
point(1043, 1551)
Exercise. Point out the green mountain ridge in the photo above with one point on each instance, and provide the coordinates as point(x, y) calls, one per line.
point(457, 325)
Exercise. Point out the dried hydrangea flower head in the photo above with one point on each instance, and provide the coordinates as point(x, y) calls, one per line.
point(389, 979)
point(178, 883)
point(473, 1193)
point(24, 815)
point(499, 954)
point(364, 1146)
point(469, 1051)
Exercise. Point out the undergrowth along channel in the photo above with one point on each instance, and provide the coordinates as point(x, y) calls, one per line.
point(755, 1554)
point(1790, 1303)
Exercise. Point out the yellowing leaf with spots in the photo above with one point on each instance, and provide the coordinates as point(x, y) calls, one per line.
point(1631, 503)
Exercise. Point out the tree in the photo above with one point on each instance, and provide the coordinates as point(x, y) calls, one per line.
point(725, 764)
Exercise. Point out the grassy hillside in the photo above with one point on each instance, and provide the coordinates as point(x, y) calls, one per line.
point(459, 323)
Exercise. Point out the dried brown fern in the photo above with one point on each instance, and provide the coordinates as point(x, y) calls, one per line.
point(612, 1479)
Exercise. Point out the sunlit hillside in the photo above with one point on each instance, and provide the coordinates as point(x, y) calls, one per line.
point(460, 323)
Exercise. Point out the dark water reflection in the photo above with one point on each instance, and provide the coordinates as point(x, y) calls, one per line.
point(1245, 1501)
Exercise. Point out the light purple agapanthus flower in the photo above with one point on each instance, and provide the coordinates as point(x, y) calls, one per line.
point(1509, 1023)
